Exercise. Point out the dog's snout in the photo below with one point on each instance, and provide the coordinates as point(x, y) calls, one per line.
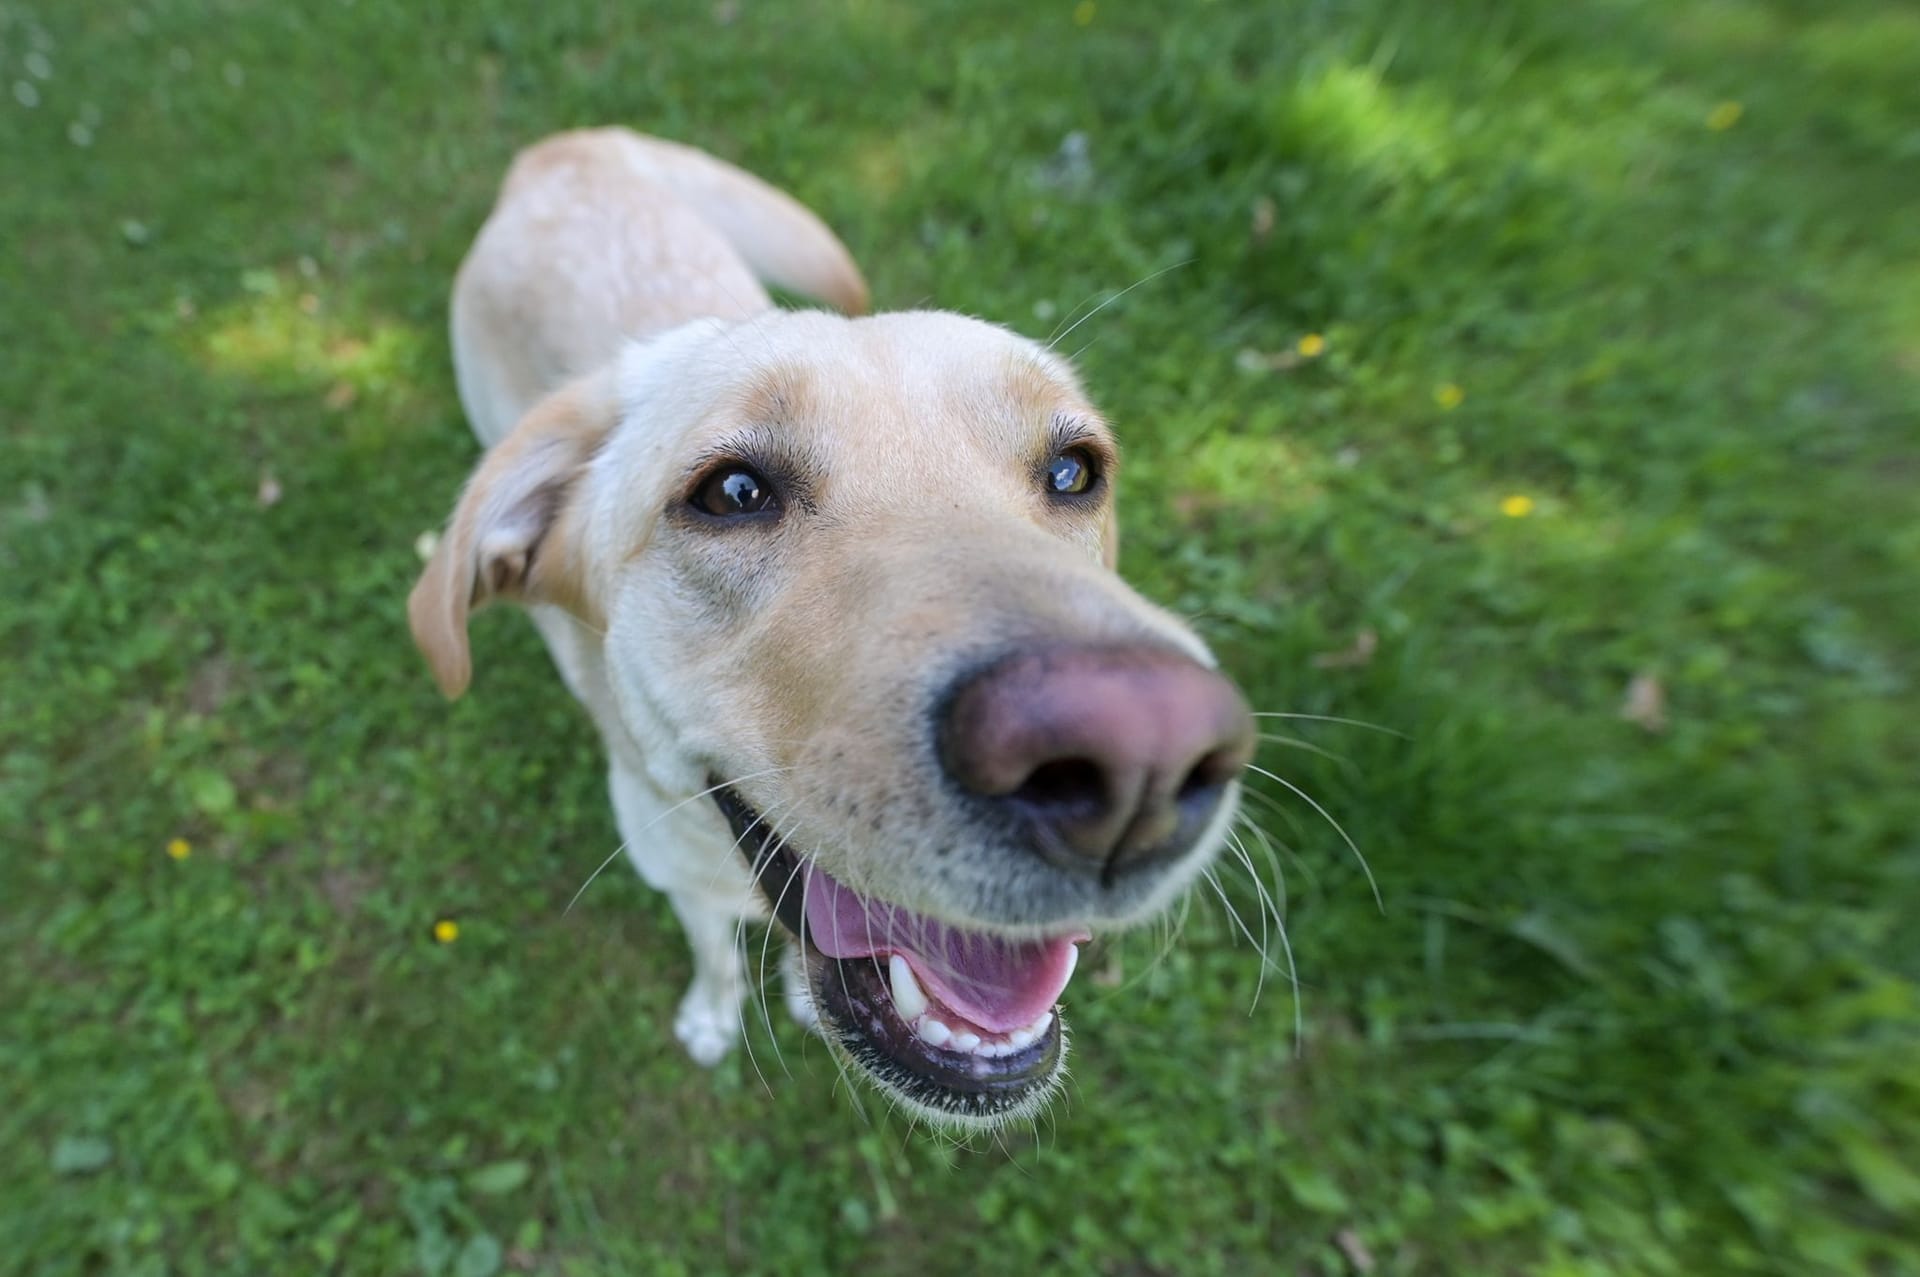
point(1112, 757)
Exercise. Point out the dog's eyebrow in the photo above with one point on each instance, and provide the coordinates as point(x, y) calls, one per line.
point(771, 396)
point(1068, 428)
point(1076, 430)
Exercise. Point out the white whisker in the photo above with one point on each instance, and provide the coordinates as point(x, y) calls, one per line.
point(1116, 297)
point(1286, 944)
point(1234, 914)
point(1279, 809)
point(1331, 718)
point(773, 924)
point(756, 988)
point(834, 1048)
point(1294, 742)
point(650, 824)
point(1266, 905)
point(1351, 845)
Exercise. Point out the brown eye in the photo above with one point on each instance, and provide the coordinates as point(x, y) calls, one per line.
point(1070, 472)
point(734, 490)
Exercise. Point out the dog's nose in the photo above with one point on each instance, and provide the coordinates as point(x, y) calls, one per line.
point(1114, 756)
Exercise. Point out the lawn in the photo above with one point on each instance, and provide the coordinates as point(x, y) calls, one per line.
point(1535, 380)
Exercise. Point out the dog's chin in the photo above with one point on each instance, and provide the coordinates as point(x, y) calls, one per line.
point(961, 1028)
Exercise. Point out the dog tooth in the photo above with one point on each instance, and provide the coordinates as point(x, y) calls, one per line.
point(1020, 1038)
point(907, 994)
point(966, 1041)
point(934, 1032)
point(1039, 1026)
point(1073, 961)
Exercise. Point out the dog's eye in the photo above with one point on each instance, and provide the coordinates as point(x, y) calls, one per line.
point(733, 490)
point(1070, 472)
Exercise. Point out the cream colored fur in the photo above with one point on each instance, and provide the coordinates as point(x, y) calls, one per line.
point(612, 338)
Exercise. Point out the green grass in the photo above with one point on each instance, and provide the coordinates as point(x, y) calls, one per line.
point(1639, 1002)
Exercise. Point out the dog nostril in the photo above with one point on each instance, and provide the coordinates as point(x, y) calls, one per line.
point(1209, 774)
point(1064, 782)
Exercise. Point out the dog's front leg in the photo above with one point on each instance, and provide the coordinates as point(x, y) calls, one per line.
point(668, 843)
point(709, 1018)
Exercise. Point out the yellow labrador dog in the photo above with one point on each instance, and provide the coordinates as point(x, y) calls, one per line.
point(839, 594)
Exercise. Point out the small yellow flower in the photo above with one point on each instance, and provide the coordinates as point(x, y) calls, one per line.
point(179, 848)
point(446, 931)
point(1516, 506)
point(1083, 13)
point(1312, 346)
point(1724, 116)
point(1449, 396)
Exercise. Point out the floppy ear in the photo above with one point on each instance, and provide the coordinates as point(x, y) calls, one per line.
point(514, 534)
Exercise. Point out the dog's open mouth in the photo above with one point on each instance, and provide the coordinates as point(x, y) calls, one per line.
point(961, 1022)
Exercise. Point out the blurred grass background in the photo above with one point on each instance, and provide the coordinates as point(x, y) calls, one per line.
point(1569, 349)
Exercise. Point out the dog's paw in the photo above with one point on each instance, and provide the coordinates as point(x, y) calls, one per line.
point(707, 1025)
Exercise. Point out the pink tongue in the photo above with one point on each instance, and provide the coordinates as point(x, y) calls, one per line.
point(998, 985)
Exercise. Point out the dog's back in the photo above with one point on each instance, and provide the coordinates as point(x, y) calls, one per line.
point(605, 235)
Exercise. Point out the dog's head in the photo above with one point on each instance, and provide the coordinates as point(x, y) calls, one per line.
point(859, 575)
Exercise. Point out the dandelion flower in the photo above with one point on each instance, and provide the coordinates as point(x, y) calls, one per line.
point(1516, 506)
point(1724, 116)
point(446, 931)
point(1449, 396)
point(1312, 346)
point(179, 848)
